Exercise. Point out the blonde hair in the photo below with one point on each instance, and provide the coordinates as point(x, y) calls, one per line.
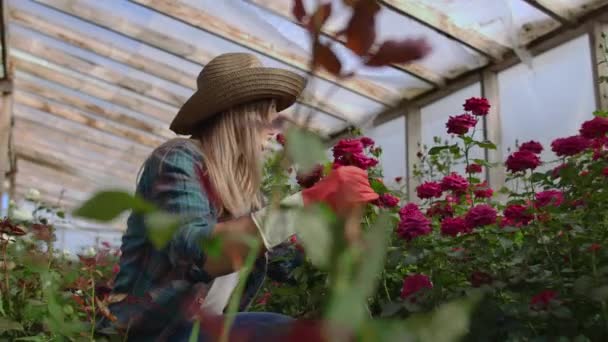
point(231, 146)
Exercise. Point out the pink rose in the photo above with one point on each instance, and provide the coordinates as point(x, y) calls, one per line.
point(518, 214)
point(415, 283)
point(549, 197)
point(311, 178)
point(362, 161)
point(413, 223)
point(477, 105)
point(460, 124)
point(387, 201)
point(532, 146)
point(454, 226)
point(367, 142)
point(480, 215)
point(482, 191)
point(594, 128)
point(570, 146)
point(429, 190)
point(521, 161)
point(454, 182)
point(474, 168)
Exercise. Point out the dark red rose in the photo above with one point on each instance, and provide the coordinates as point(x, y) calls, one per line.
point(419, 155)
point(482, 192)
point(413, 223)
point(595, 247)
point(454, 182)
point(460, 124)
point(387, 201)
point(542, 300)
point(412, 284)
point(9, 228)
point(367, 142)
point(454, 226)
point(429, 190)
point(570, 146)
point(347, 147)
point(296, 243)
point(584, 173)
point(441, 210)
point(605, 171)
point(263, 300)
point(518, 214)
point(281, 139)
point(479, 278)
point(474, 168)
point(594, 128)
point(398, 179)
point(532, 146)
point(477, 105)
point(549, 197)
point(307, 180)
point(115, 269)
point(521, 161)
point(556, 173)
point(362, 161)
point(480, 215)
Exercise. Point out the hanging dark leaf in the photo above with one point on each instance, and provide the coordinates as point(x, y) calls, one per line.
point(404, 51)
point(324, 57)
point(361, 30)
point(318, 19)
point(298, 10)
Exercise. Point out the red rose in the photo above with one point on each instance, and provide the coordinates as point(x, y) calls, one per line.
point(542, 300)
point(480, 215)
point(367, 142)
point(460, 124)
point(556, 173)
point(264, 298)
point(455, 183)
point(594, 128)
point(414, 283)
point(605, 171)
point(584, 173)
point(398, 179)
point(477, 105)
point(454, 226)
point(594, 247)
point(362, 161)
point(549, 197)
point(429, 190)
point(479, 278)
point(474, 168)
point(346, 147)
point(570, 146)
point(517, 214)
point(311, 178)
point(281, 139)
point(521, 161)
point(387, 201)
point(441, 210)
point(413, 223)
point(419, 155)
point(482, 192)
point(115, 269)
point(532, 146)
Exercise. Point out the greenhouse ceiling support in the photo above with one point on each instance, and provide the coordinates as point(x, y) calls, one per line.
point(554, 10)
point(598, 57)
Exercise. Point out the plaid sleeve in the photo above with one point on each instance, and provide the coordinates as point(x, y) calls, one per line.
point(177, 189)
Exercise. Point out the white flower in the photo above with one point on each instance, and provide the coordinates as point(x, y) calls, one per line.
point(33, 195)
point(21, 215)
point(79, 292)
point(66, 253)
point(90, 252)
point(6, 237)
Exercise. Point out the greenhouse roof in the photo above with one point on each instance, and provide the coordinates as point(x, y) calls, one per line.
point(97, 82)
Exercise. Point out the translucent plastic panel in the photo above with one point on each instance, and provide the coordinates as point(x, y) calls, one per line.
point(321, 122)
point(550, 100)
point(391, 137)
point(75, 241)
point(435, 116)
point(500, 20)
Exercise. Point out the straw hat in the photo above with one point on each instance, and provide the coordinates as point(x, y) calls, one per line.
point(232, 79)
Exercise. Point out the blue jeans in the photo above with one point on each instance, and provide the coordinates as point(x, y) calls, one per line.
point(256, 326)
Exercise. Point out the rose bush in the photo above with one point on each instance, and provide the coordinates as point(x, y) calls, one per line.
point(535, 248)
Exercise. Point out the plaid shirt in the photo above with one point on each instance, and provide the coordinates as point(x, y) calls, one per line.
point(156, 288)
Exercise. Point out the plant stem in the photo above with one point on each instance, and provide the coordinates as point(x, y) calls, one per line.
point(6, 275)
point(92, 305)
point(596, 278)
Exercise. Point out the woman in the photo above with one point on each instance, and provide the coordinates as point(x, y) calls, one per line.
point(212, 182)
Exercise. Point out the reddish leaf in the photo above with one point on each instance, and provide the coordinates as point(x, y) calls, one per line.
point(9, 228)
point(298, 10)
point(349, 3)
point(318, 19)
point(361, 29)
point(324, 57)
point(403, 51)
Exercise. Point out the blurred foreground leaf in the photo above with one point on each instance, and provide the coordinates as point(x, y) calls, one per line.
point(9, 325)
point(314, 230)
point(305, 149)
point(107, 205)
point(161, 228)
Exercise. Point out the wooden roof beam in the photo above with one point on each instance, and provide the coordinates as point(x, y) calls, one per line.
point(216, 26)
point(554, 10)
point(283, 8)
point(441, 22)
point(181, 48)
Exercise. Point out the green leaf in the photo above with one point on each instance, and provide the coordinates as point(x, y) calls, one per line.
point(305, 149)
point(212, 247)
point(60, 214)
point(161, 228)
point(108, 205)
point(378, 186)
point(315, 234)
point(195, 332)
point(9, 325)
point(486, 144)
point(538, 177)
point(467, 140)
point(455, 149)
point(437, 149)
point(601, 113)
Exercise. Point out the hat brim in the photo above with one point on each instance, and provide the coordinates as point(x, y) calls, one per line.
point(243, 86)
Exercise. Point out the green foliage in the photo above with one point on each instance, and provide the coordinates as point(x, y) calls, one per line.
point(305, 149)
point(108, 205)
